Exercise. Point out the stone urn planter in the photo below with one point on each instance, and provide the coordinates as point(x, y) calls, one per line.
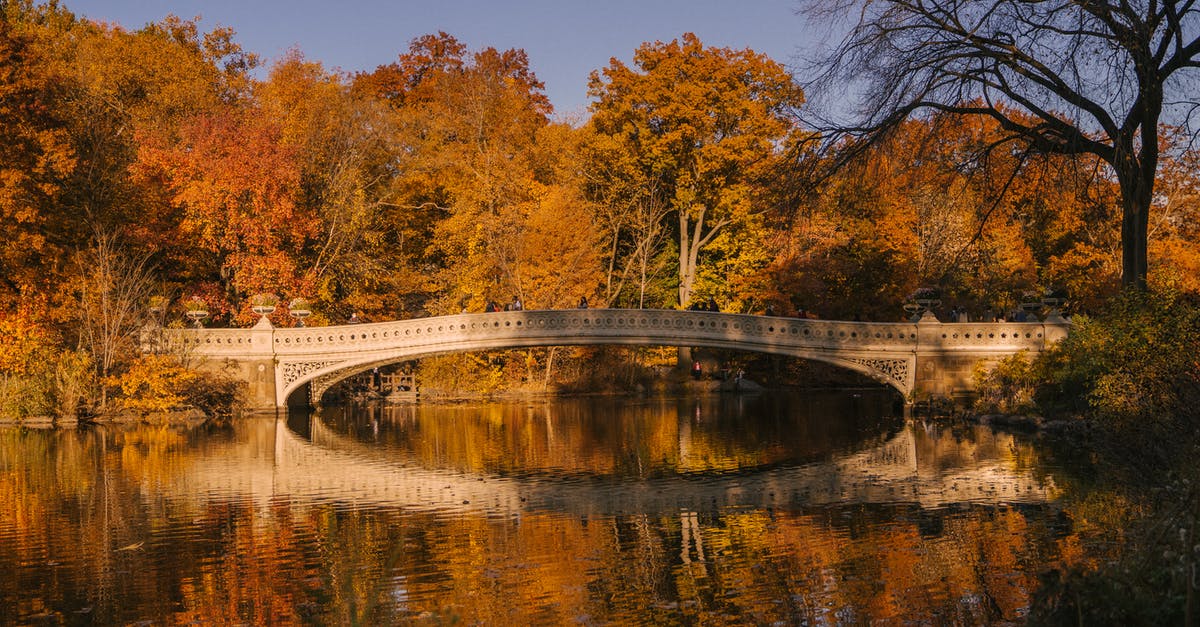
point(264, 305)
point(196, 310)
point(299, 309)
point(927, 298)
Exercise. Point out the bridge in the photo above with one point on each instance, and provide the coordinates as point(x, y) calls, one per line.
point(919, 359)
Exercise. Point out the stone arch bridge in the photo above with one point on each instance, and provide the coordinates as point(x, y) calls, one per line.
point(919, 359)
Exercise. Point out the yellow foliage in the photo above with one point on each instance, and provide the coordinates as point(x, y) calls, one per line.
point(155, 383)
point(23, 342)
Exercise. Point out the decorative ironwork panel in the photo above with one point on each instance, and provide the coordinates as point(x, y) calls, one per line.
point(293, 371)
point(894, 369)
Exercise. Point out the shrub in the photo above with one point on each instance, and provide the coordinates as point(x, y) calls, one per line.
point(1134, 370)
point(75, 389)
point(1132, 376)
point(159, 383)
point(1006, 386)
point(155, 383)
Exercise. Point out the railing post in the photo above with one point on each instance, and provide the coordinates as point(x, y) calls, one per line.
point(927, 378)
point(260, 368)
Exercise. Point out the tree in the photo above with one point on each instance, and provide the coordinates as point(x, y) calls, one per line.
point(471, 175)
point(1068, 77)
point(35, 158)
point(340, 142)
point(704, 125)
point(113, 289)
point(235, 183)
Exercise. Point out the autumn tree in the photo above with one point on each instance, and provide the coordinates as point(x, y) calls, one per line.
point(1075, 78)
point(113, 287)
point(235, 183)
point(702, 125)
point(112, 89)
point(631, 213)
point(483, 176)
point(342, 147)
point(36, 157)
point(933, 205)
point(1175, 222)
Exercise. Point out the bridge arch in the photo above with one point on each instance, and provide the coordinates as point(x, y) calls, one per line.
point(890, 371)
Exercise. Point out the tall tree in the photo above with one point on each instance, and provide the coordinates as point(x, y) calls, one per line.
point(1062, 76)
point(703, 124)
point(473, 179)
point(340, 140)
point(35, 158)
point(235, 184)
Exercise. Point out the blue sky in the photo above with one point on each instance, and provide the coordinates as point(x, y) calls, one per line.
point(565, 39)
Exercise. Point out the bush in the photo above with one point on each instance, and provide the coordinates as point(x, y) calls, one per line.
point(462, 374)
point(155, 383)
point(1137, 363)
point(1131, 375)
point(1007, 386)
point(159, 383)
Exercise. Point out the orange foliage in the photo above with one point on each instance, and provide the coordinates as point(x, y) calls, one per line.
point(25, 343)
point(236, 184)
point(35, 156)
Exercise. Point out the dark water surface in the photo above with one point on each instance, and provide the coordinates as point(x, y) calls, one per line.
point(817, 509)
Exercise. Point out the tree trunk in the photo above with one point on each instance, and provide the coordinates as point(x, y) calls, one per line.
point(1135, 223)
point(687, 272)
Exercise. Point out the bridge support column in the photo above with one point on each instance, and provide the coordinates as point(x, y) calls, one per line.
point(256, 368)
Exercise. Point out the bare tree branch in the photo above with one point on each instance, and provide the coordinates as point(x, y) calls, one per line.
point(1063, 76)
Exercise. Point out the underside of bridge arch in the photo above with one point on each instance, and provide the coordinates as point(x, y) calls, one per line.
point(896, 370)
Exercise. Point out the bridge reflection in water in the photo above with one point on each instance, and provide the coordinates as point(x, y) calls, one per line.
point(308, 461)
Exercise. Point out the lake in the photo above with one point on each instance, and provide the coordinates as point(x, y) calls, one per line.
point(815, 508)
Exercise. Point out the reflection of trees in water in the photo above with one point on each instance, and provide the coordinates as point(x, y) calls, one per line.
point(97, 531)
point(621, 436)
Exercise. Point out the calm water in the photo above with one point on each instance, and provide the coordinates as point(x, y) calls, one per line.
point(821, 509)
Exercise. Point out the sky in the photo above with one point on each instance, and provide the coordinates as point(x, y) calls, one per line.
point(565, 39)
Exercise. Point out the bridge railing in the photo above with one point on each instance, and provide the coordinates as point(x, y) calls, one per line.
point(631, 326)
point(623, 326)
